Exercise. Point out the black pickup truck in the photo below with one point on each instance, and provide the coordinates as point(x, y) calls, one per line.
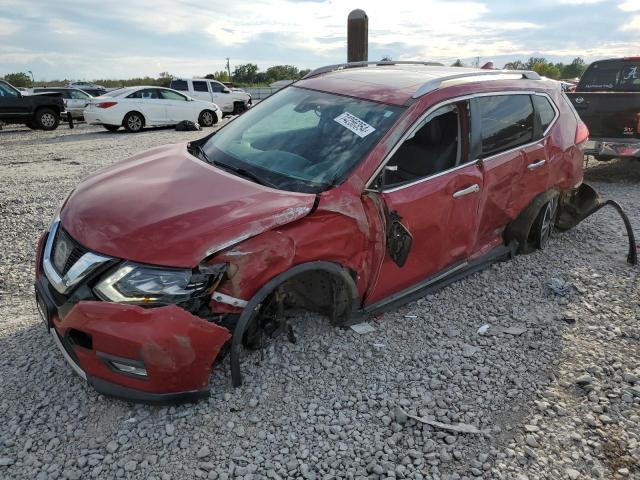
point(608, 101)
point(42, 111)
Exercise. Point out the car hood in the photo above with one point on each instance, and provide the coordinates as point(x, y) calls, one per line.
point(166, 207)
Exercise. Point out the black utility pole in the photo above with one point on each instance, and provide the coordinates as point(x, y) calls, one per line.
point(357, 36)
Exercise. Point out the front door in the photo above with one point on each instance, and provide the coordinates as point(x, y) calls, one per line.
point(431, 194)
point(12, 105)
point(220, 98)
point(178, 107)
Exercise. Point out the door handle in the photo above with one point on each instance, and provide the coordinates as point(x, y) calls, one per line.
point(466, 191)
point(537, 164)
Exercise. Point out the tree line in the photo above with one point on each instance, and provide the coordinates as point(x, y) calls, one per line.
point(541, 65)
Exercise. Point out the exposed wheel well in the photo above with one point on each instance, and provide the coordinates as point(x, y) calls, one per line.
point(520, 229)
point(48, 107)
point(320, 286)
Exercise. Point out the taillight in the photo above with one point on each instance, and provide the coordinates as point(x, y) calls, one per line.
point(582, 133)
point(106, 104)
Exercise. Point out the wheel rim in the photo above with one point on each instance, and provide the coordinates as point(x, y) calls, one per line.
point(207, 119)
point(547, 222)
point(134, 122)
point(47, 120)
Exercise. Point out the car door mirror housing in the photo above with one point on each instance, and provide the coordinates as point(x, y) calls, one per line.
point(226, 90)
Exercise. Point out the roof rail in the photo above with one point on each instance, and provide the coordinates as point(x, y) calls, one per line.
point(436, 83)
point(341, 66)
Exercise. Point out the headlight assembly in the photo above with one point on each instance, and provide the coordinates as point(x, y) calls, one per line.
point(142, 284)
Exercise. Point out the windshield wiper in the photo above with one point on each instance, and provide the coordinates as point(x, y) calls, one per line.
point(243, 172)
point(198, 150)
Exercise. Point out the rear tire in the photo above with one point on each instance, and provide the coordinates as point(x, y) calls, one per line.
point(47, 119)
point(112, 128)
point(207, 118)
point(133, 122)
point(544, 223)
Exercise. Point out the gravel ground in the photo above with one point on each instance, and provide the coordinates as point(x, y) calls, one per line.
point(553, 383)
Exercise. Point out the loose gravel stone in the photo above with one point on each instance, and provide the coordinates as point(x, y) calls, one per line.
point(325, 406)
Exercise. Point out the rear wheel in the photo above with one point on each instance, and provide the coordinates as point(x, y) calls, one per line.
point(47, 119)
point(133, 122)
point(206, 118)
point(112, 128)
point(544, 223)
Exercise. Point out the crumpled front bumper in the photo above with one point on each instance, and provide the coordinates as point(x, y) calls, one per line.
point(174, 348)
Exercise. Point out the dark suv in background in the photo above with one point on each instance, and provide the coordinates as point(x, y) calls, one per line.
point(40, 111)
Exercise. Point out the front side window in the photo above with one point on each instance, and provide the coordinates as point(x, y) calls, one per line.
point(169, 95)
point(301, 140)
point(506, 122)
point(199, 86)
point(216, 87)
point(432, 148)
point(7, 91)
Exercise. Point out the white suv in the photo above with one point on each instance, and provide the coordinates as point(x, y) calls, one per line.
point(229, 101)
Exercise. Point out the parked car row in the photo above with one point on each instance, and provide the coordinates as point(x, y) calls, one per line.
point(131, 107)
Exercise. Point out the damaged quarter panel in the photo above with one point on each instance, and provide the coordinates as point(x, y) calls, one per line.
point(177, 348)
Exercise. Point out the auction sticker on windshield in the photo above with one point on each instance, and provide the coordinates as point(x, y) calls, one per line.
point(353, 123)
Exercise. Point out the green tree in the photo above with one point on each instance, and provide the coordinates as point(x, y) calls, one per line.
point(515, 65)
point(282, 72)
point(245, 73)
point(575, 69)
point(547, 70)
point(18, 79)
point(457, 63)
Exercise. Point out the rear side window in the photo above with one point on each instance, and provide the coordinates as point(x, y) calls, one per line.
point(545, 110)
point(147, 93)
point(623, 75)
point(506, 121)
point(179, 85)
point(200, 86)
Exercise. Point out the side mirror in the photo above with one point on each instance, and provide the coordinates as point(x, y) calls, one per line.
point(226, 90)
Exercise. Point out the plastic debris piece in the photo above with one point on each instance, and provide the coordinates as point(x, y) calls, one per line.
point(362, 328)
point(453, 427)
point(559, 287)
point(514, 330)
point(484, 329)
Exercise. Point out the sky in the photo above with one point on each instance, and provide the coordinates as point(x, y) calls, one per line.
point(88, 39)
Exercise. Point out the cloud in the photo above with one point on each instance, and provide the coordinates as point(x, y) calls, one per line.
point(632, 25)
point(7, 27)
point(630, 6)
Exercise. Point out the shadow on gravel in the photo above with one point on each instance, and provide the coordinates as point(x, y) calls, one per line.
point(614, 171)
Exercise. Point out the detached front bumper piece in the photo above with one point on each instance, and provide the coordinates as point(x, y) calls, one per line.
point(584, 201)
point(150, 355)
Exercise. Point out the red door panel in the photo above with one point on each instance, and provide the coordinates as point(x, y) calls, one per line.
point(440, 213)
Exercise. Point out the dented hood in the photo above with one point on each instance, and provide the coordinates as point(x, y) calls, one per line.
point(166, 207)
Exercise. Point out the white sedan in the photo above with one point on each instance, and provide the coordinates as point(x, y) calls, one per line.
point(136, 107)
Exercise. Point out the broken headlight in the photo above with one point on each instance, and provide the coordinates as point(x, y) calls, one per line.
point(142, 284)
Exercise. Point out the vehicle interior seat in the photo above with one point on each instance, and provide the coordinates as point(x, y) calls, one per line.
point(433, 149)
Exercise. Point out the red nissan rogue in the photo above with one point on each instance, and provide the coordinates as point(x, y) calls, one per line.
point(355, 189)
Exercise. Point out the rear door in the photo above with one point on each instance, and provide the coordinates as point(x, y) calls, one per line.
point(502, 135)
point(608, 99)
point(200, 90)
point(431, 193)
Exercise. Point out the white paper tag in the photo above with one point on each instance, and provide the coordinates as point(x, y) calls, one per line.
point(353, 123)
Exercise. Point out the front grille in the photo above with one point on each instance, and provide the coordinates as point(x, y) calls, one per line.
point(74, 254)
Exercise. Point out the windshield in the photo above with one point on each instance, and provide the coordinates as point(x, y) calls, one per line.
point(301, 140)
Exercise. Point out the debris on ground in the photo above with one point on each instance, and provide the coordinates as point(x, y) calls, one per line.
point(363, 328)
point(453, 427)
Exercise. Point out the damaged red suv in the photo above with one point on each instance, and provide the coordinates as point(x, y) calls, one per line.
point(351, 191)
